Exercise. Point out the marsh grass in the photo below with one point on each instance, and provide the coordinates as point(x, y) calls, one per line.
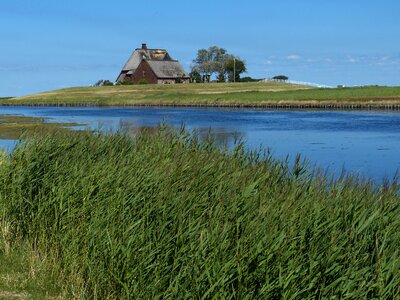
point(166, 216)
point(26, 275)
point(13, 127)
point(220, 94)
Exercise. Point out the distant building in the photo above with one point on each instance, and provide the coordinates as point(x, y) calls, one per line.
point(152, 66)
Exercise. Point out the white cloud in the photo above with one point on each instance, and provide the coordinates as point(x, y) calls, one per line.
point(351, 59)
point(386, 61)
point(293, 57)
point(373, 60)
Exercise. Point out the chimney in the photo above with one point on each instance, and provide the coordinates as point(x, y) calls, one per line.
point(144, 46)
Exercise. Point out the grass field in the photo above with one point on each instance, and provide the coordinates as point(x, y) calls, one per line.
point(213, 94)
point(165, 216)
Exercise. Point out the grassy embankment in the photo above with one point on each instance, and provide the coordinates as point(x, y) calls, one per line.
point(165, 216)
point(213, 94)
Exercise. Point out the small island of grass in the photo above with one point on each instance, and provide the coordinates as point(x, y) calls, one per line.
point(12, 127)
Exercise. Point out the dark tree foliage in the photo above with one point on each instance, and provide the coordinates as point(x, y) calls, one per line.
point(125, 82)
point(221, 77)
point(280, 78)
point(103, 82)
point(234, 66)
point(195, 76)
point(217, 61)
point(248, 79)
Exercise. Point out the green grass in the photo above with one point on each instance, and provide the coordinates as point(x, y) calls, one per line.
point(23, 273)
point(213, 94)
point(12, 127)
point(165, 216)
point(26, 276)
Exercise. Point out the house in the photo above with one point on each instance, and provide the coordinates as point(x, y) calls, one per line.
point(152, 66)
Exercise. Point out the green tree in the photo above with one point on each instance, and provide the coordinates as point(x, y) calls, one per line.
point(195, 76)
point(221, 77)
point(216, 60)
point(103, 82)
point(203, 65)
point(218, 56)
point(210, 61)
point(234, 66)
point(280, 78)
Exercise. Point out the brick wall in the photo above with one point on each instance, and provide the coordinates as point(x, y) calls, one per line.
point(144, 72)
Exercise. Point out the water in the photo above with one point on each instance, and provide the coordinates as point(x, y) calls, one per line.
point(365, 143)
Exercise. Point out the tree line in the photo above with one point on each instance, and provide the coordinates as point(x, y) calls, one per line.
point(217, 61)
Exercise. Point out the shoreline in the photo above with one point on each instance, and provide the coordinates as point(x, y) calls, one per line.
point(223, 95)
point(321, 106)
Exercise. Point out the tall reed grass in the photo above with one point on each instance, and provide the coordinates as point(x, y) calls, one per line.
point(165, 216)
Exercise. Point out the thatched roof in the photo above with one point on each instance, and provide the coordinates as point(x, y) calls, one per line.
point(144, 53)
point(167, 68)
point(139, 54)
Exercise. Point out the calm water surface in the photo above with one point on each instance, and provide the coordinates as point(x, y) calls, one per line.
point(366, 143)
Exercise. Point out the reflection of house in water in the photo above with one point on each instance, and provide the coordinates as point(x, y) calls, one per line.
point(152, 66)
point(220, 136)
point(132, 129)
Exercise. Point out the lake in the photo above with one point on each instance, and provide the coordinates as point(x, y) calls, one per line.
point(361, 142)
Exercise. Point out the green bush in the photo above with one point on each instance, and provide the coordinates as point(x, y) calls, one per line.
point(143, 81)
point(248, 79)
point(164, 216)
point(125, 82)
point(104, 83)
point(195, 77)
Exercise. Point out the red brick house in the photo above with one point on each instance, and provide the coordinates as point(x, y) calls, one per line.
point(152, 66)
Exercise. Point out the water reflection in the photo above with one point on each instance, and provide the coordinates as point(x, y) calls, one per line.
point(220, 136)
point(366, 143)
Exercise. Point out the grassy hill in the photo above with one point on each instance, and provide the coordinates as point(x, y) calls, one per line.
point(251, 94)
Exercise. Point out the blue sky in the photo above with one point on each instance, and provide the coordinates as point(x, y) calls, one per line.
point(54, 44)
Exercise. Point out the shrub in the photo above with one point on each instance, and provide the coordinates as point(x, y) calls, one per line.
point(125, 82)
point(248, 79)
point(143, 81)
point(103, 82)
point(195, 77)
